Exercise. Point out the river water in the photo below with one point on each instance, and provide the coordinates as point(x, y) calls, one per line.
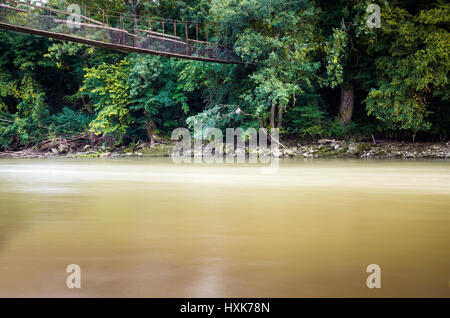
point(152, 228)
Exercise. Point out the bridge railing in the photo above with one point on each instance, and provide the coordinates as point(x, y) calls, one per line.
point(121, 32)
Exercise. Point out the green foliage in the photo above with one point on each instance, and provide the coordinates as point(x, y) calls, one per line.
point(107, 86)
point(307, 116)
point(155, 93)
point(300, 54)
point(18, 131)
point(280, 39)
point(335, 50)
point(69, 122)
point(334, 128)
point(32, 102)
point(217, 116)
point(412, 60)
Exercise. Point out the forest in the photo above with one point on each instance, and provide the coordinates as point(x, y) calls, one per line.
point(312, 68)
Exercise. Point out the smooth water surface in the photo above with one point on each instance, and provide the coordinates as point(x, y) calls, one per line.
point(151, 228)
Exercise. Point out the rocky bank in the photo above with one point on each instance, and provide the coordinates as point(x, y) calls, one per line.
point(322, 148)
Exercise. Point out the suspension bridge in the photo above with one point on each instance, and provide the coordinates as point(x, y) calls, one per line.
point(120, 31)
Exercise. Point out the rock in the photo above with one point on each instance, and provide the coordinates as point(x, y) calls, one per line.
point(336, 147)
point(86, 147)
point(129, 153)
point(63, 148)
point(289, 152)
point(353, 148)
point(263, 152)
point(358, 149)
point(105, 155)
point(139, 154)
point(55, 151)
point(276, 153)
point(325, 141)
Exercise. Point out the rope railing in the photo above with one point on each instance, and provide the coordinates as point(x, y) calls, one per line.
point(124, 32)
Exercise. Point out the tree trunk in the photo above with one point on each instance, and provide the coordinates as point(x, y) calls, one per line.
point(150, 126)
point(280, 117)
point(87, 105)
point(347, 103)
point(272, 115)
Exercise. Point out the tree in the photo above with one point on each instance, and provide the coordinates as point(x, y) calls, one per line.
point(343, 24)
point(279, 38)
point(155, 95)
point(412, 63)
point(23, 105)
point(108, 88)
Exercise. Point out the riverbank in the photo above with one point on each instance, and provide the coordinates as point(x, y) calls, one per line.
point(322, 148)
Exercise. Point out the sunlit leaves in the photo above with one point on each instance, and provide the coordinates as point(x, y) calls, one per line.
point(413, 64)
point(107, 86)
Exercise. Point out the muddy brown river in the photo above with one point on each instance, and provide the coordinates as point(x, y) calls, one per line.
point(152, 228)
